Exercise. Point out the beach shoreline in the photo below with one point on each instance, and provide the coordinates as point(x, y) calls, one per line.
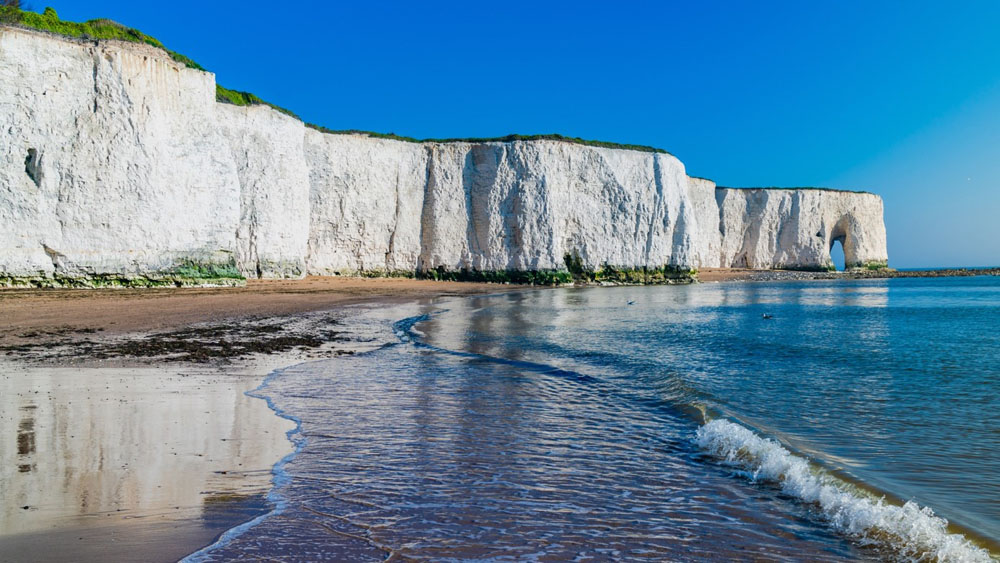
point(37, 317)
point(709, 275)
point(138, 344)
point(134, 435)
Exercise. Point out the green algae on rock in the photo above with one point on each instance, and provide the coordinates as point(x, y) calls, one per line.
point(187, 273)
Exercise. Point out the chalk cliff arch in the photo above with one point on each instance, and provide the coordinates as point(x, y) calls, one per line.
point(841, 232)
point(854, 236)
point(797, 228)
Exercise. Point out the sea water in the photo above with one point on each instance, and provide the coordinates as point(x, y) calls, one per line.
point(840, 420)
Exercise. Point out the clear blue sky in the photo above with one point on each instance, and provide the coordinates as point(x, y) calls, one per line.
point(898, 98)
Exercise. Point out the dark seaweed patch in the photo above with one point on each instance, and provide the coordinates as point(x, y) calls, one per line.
point(215, 342)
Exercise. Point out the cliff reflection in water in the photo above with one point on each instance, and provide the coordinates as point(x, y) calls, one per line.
point(83, 447)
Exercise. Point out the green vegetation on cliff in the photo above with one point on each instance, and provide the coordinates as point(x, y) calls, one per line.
point(237, 98)
point(186, 273)
point(875, 265)
point(526, 277)
point(628, 276)
point(504, 139)
point(91, 29)
point(795, 188)
point(194, 270)
point(103, 281)
point(574, 273)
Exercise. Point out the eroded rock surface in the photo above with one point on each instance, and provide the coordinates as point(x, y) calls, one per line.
point(795, 229)
point(111, 161)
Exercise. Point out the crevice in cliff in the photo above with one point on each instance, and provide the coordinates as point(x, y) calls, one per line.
point(659, 209)
point(469, 177)
point(390, 262)
point(57, 258)
point(427, 214)
point(720, 198)
point(680, 233)
point(97, 91)
point(480, 172)
point(248, 228)
point(515, 233)
point(33, 167)
point(791, 211)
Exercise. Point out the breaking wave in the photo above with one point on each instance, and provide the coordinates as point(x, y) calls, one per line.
point(909, 531)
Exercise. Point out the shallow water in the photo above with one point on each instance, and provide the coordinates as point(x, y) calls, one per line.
point(568, 424)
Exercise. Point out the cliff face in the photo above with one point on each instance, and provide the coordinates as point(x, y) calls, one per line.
point(112, 161)
point(366, 200)
point(267, 149)
point(526, 205)
point(384, 205)
point(769, 228)
point(118, 162)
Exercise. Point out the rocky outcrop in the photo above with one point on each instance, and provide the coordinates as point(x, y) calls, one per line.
point(796, 228)
point(118, 165)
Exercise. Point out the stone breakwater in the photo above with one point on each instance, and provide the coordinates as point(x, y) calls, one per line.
point(119, 167)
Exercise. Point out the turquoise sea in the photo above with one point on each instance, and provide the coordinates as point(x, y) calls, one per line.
point(839, 420)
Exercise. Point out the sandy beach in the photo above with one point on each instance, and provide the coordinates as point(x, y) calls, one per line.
point(30, 315)
point(118, 446)
point(130, 464)
point(129, 434)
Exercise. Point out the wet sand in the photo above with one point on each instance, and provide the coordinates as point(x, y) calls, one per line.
point(137, 464)
point(33, 315)
point(114, 446)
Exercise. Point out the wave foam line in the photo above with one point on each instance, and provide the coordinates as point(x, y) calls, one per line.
point(914, 533)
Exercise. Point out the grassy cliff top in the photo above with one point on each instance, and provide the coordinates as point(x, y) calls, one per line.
point(793, 188)
point(107, 29)
point(504, 139)
point(91, 29)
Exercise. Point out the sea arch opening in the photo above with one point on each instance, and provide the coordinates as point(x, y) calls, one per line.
point(837, 254)
point(842, 252)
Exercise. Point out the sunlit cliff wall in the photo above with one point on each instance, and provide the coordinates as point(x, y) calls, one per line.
point(118, 164)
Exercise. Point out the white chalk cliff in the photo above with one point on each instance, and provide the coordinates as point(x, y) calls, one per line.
point(795, 228)
point(118, 161)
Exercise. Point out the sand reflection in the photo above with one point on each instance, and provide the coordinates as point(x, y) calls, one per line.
point(98, 447)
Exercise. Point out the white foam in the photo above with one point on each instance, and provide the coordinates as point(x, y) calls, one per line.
point(914, 533)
